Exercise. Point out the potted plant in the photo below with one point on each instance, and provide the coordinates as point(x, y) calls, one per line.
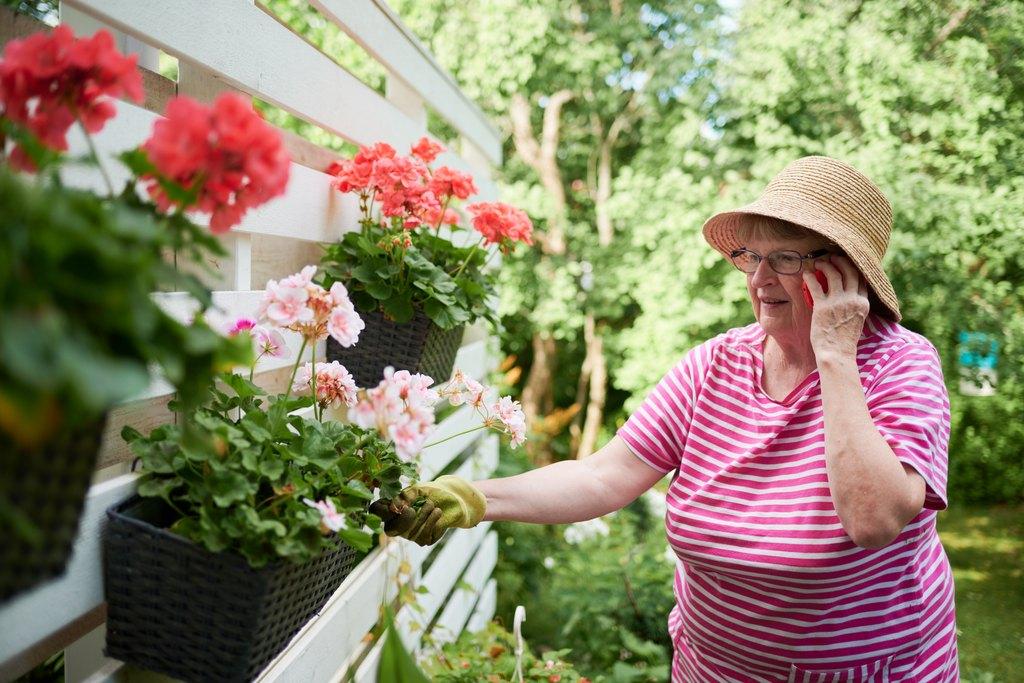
point(80, 329)
point(415, 288)
point(251, 510)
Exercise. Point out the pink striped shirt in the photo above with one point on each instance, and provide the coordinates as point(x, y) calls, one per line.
point(769, 587)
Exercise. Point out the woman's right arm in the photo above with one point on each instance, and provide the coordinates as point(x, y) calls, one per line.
point(570, 490)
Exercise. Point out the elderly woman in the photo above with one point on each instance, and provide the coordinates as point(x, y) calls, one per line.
point(808, 456)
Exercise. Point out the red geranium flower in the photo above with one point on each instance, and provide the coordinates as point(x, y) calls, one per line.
point(50, 80)
point(226, 152)
point(447, 182)
point(500, 223)
point(426, 150)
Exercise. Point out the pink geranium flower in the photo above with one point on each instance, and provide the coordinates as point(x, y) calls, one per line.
point(241, 325)
point(509, 414)
point(285, 306)
point(330, 518)
point(265, 341)
point(334, 385)
point(400, 408)
point(297, 303)
point(268, 342)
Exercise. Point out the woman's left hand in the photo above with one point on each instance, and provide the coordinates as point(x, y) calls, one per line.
point(838, 316)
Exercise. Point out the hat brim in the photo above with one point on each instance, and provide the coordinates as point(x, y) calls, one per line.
point(720, 232)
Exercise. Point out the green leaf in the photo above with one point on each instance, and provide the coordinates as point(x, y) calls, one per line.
point(440, 314)
point(228, 487)
point(365, 273)
point(153, 487)
point(379, 290)
point(396, 664)
point(399, 308)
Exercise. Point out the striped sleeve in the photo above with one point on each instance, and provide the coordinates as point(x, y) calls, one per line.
point(910, 406)
point(657, 430)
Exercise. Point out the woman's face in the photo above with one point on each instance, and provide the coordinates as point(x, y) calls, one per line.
point(777, 299)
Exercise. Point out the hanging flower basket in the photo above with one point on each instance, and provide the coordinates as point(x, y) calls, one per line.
point(419, 346)
point(42, 492)
point(176, 608)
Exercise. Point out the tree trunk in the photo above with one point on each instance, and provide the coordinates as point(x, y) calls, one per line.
point(576, 428)
point(538, 398)
point(537, 395)
point(595, 369)
point(598, 389)
point(951, 25)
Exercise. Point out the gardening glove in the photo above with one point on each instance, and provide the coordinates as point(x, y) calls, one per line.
point(423, 512)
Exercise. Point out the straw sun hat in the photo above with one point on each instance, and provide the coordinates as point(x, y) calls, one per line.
point(832, 199)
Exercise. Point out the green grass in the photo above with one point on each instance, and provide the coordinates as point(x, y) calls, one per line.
point(986, 548)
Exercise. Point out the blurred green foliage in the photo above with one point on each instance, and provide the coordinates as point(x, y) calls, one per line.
point(613, 623)
point(490, 655)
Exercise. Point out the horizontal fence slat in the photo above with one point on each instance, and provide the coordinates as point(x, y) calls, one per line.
point(46, 610)
point(375, 27)
point(252, 51)
point(310, 210)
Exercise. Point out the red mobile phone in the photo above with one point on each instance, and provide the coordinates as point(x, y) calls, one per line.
point(822, 280)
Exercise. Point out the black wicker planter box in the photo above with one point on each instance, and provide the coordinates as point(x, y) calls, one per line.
point(176, 608)
point(417, 346)
point(46, 486)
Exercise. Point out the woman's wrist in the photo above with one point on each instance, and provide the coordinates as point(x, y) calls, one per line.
point(834, 360)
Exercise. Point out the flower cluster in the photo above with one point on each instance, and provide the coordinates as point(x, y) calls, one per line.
point(332, 384)
point(504, 415)
point(297, 303)
point(400, 408)
point(225, 154)
point(404, 187)
point(49, 81)
point(501, 224)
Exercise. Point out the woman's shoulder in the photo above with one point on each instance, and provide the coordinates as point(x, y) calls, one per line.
point(734, 345)
point(887, 348)
point(737, 338)
point(885, 337)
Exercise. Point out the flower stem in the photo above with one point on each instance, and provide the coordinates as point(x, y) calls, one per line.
point(295, 369)
point(443, 210)
point(96, 157)
point(317, 411)
point(252, 368)
point(449, 438)
point(489, 257)
point(468, 257)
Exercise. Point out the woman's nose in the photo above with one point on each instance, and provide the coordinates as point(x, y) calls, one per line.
point(763, 275)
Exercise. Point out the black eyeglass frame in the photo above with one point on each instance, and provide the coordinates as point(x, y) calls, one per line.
point(810, 256)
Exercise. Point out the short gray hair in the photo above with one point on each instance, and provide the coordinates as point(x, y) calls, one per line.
point(757, 227)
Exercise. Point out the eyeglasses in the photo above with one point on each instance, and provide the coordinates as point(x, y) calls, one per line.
point(783, 262)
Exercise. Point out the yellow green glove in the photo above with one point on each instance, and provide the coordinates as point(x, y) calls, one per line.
point(423, 512)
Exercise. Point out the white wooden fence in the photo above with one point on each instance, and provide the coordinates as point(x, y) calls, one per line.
point(237, 45)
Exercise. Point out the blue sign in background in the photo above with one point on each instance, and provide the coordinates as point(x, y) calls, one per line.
point(978, 350)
